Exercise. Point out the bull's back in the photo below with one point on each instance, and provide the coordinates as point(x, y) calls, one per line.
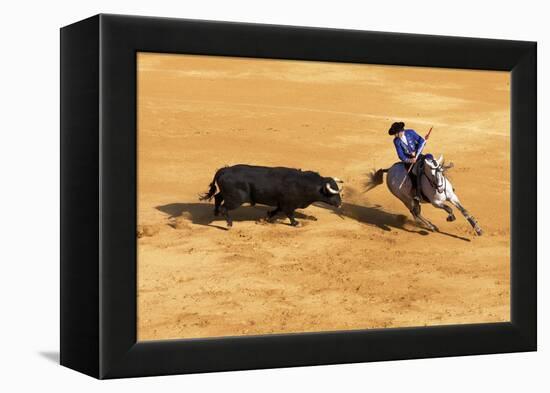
point(254, 173)
point(259, 184)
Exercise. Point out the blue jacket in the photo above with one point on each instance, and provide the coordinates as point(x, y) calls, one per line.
point(414, 143)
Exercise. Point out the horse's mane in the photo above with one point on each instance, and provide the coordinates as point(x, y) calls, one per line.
point(446, 168)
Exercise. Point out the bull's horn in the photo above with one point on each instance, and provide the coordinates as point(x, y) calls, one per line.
point(331, 190)
point(440, 160)
point(337, 180)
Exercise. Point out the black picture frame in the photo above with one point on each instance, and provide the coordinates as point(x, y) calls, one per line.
point(98, 196)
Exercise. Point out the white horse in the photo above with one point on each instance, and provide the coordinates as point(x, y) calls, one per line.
point(435, 187)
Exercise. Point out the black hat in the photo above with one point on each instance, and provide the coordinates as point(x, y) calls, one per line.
point(396, 127)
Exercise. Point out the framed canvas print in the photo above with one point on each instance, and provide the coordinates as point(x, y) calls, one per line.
point(239, 196)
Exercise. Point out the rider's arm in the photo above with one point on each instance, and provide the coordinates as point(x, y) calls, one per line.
point(401, 153)
point(419, 141)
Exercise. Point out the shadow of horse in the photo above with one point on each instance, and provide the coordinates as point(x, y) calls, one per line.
point(371, 215)
point(376, 216)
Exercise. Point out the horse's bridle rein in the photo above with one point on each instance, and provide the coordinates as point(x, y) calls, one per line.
point(439, 188)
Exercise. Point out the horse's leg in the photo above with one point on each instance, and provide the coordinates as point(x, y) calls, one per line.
point(415, 210)
point(414, 207)
point(404, 193)
point(442, 205)
point(454, 200)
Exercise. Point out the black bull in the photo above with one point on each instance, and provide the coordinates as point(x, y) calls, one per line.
point(286, 189)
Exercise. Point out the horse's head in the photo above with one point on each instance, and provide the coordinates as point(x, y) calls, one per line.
point(433, 169)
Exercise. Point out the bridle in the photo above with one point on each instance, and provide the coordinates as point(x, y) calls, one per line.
point(439, 188)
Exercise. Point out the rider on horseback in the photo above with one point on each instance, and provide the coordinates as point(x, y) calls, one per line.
point(408, 145)
point(437, 188)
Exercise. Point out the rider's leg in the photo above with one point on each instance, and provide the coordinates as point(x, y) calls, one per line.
point(418, 168)
point(413, 178)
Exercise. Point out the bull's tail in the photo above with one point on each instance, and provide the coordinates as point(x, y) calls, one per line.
point(374, 178)
point(207, 196)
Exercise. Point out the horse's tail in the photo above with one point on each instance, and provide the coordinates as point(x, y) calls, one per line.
point(374, 178)
point(207, 196)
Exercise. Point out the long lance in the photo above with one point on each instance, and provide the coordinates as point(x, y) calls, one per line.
point(419, 151)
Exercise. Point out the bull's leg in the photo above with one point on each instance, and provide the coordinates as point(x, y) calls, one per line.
point(218, 199)
point(454, 200)
point(271, 214)
point(442, 205)
point(290, 215)
point(225, 213)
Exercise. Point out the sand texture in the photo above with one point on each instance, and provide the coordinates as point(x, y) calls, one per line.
point(367, 266)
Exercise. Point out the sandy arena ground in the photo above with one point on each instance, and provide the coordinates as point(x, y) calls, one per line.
point(369, 267)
